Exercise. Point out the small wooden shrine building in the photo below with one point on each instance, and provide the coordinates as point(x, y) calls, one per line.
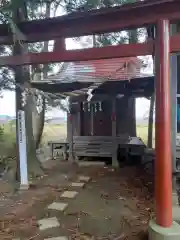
point(102, 112)
point(92, 113)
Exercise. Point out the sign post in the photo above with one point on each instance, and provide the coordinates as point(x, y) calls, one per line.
point(24, 184)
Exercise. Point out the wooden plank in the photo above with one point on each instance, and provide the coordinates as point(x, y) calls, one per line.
point(81, 154)
point(123, 50)
point(94, 146)
point(98, 146)
point(98, 138)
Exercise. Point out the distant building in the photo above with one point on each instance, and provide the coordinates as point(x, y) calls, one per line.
point(5, 118)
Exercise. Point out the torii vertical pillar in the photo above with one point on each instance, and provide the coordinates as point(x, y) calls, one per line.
point(163, 227)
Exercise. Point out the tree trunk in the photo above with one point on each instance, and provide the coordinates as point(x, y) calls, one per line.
point(151, 35)
point(133, 38)
point(17, 49)
point(22, 77)
point(18, 78)
point(38, 118)
point(150, 122)
point(34, 166)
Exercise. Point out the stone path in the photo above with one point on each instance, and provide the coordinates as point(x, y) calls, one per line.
point(53, 222)
point(115, 204)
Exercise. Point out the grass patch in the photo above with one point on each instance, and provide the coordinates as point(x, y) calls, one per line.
point(7, 139)
point(51, 132)
point(142, 132)
point(8, 136)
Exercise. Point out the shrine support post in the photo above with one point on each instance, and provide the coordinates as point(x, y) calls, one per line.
point(70, 138)
point(163, 227)
point(114, 127)
point(70, 132)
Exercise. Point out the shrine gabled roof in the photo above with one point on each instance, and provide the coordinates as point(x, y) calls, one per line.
point(138, 87)
point(98, 70)
point(85, 82)
point(79, 77)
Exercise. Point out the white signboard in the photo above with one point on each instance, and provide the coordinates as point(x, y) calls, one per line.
point(22, 149)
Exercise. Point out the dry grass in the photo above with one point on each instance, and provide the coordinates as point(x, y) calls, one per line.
point(142, 132)
point(8, 138)
point(55, 132)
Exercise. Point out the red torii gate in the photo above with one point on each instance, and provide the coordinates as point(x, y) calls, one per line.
point(158, 12)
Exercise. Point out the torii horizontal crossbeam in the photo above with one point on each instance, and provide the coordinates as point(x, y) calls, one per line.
point(95, 22)
point(123, 50)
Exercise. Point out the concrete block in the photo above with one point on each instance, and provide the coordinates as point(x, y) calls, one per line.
point(48, 223)
point(84, 178)
point(115, 163)
point(69, 194)
point(90, 163)
point(59, 206)
point(23, 187)
point(44, 154)
point(77, 184)
point(175, 201)
point(57, 238)
point(176, 213)
point(157, 232)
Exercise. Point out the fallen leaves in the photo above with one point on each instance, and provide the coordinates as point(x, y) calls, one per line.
point(122, 236)
point(104, 195)
point(81, 236)
point(126, 186)
point(122, 198)
point(78, 214)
